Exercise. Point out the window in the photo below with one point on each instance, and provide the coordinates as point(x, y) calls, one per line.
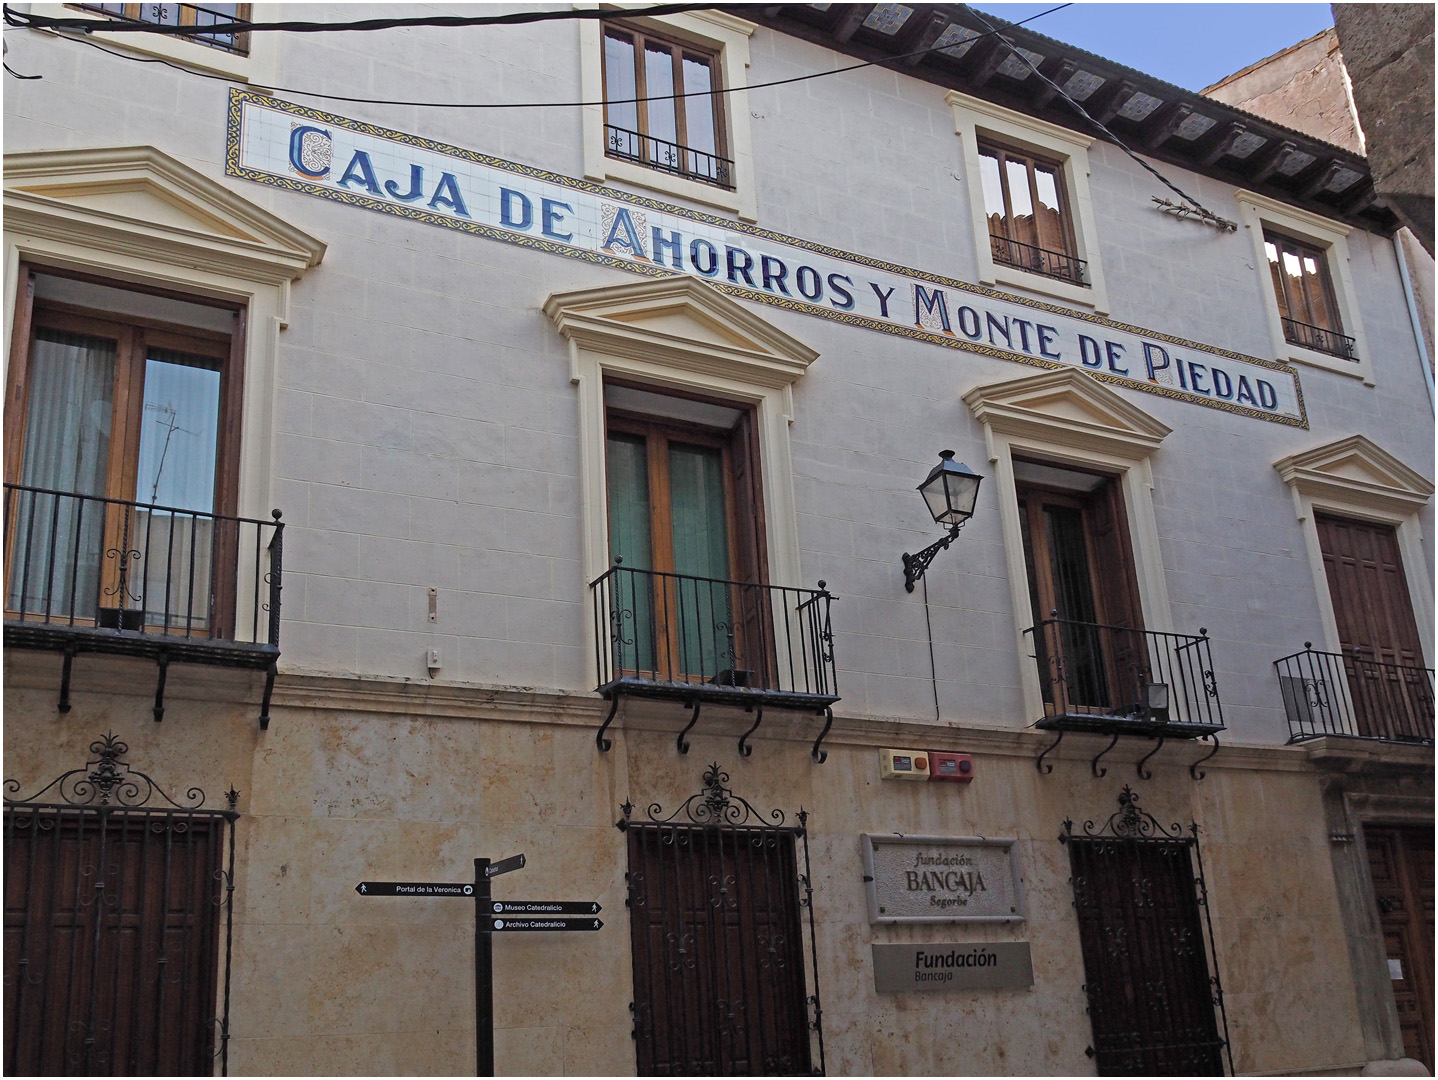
point(1304, 292)
point(697, 147)
point(123, 408)
point(184, 15)
point(660, 106)
point(1075, 498)
point(1029, 223)
point(686, 524)
point(1082, 586)
point(1302, 266)
point(673, 363)
point(1029, 202)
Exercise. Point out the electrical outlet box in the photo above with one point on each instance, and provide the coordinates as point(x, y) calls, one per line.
point(904, 764)
point(432, 660)
point(954, 768)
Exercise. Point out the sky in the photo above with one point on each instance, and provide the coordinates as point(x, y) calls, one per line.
point(1190, 45)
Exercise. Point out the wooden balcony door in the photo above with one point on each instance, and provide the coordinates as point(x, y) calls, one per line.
point(1376, 628)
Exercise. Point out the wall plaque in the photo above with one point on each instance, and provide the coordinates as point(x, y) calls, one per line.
point(297, 148)
point(942, 879)
point(953, 965)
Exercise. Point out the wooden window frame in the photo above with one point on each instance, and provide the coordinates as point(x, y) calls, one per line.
point(1004, 154)
point(747, 555)
point(1282, 287)
point(135, 12)
point(1106, 581)
point(640, 39)
point(134, 335)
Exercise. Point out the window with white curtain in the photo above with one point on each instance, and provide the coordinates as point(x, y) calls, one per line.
point(116, 456)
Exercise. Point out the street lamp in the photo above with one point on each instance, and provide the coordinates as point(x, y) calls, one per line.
point(950, 490)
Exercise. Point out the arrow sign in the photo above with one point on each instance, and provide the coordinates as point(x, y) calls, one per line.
point(504, 866)
point(545, 907)
point(504, 926)
point(413, 888)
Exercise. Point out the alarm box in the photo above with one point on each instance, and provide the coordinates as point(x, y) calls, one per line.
point(955, 768)
point(904, 764)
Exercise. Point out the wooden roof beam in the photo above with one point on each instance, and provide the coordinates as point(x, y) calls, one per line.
point(1318, 177)
point(851, 17)
point(1222, 142)
point(1267, 162)
point(925, 39)
point(1164, 123)
point(984, 60)
point(1113, 100)
point(1058, 71)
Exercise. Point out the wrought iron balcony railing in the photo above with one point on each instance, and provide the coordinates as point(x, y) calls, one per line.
point(1352, 694)
point(696, 638)
point(1318, 339)
point(1054, 264)
point(169, 14)
point(668, 157)
point(133, 577)
point(1113, 679)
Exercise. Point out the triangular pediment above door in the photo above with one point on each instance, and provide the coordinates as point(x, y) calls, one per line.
point(1359, 470)
point(681, 322)
point(138, 199)
point(1067, 406)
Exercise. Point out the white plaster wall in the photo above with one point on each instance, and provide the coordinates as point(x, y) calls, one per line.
point(426, 429)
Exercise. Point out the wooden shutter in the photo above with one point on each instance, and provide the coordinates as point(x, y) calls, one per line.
point(750, 551)
point(1116, 584)
point(1370, 594)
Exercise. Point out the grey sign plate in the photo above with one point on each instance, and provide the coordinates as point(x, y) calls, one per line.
point(953, 965)
point(926, 879)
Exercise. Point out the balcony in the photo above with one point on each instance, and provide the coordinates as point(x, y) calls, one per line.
point(1116, 680)
point(708, 640)
point(1318, 339)
point(1054, 264)
point(91, 574)
point(1349, 694)
point(668, 157)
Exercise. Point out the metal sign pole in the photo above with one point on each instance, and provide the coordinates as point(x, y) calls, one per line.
point(483, 974)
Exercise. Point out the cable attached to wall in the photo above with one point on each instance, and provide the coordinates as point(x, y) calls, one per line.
point(933, 668)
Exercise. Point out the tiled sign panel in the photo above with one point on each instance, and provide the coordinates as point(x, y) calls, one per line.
point(289, 146)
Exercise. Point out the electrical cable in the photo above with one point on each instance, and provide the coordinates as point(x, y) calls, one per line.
point(26, 20)
point(538, 104)
point(1085, 114)
point(933, 667)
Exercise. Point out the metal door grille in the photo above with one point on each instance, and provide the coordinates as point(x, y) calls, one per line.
point(115, 915)
point(716, 919)
point(1142, 911)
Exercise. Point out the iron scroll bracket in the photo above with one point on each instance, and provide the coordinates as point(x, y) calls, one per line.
point(1144, 760)
point(744, 748)
point(821, 756)
point(1093, 765)
point(599, 739)
point(66, 668)
point(163, 662)
point(1193, 769)
point(269, 693)
point(1046, 769)
point(683, 742)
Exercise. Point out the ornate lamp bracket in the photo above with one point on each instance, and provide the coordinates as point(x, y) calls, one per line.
point(915, 565)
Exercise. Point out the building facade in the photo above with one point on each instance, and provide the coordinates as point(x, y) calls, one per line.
point(402, 482)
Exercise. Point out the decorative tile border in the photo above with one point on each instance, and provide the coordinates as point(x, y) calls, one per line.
point(296, 148)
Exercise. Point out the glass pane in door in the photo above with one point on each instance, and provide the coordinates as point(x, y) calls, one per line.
point(703, 607)
point(174, 530)
point(58, 540)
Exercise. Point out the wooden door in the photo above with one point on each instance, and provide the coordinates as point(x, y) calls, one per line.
point(1146, 976)
point(111, 941)
point(1376, 628)
point(719, 986)
point(1400, 862)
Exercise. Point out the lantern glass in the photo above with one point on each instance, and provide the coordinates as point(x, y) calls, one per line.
point(951, 490)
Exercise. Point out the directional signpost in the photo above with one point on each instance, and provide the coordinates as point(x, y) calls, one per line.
point(494, 917)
